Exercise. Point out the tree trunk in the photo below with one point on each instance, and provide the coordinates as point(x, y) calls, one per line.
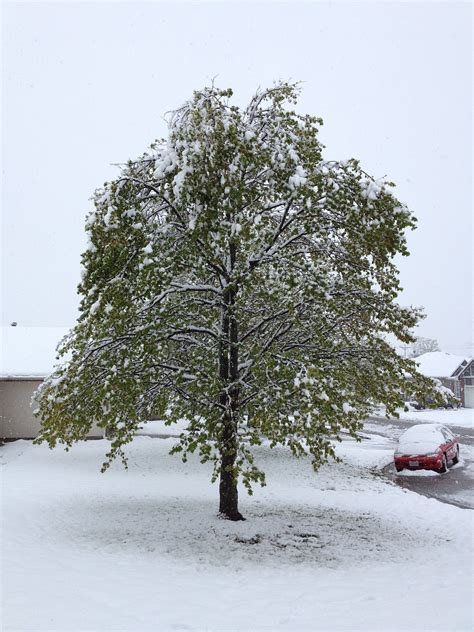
point(229, 374)
point(228, 495)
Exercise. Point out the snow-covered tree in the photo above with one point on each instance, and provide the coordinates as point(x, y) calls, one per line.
point(237, 279)
point(423, 345)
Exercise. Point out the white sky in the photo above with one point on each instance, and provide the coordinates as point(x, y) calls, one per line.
point(86, 84)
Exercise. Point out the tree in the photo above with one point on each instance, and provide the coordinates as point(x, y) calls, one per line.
point(423, 345)
point(237, 279)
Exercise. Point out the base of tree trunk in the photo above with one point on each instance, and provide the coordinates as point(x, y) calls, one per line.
point(235, 516)
point(228, 493)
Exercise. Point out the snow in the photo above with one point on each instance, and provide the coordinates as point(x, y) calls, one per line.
point(29, 351)
point(298, 178)
point(157, 428)
point(438, 363)
point(94, 307)
point(462, 417)
point(416, 473)
point(420, 439)
point(142, 549)
point(371, 189)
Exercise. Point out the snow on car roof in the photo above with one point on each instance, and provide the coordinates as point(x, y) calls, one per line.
point(425, 429)
point(421, 438)
point(422, 432)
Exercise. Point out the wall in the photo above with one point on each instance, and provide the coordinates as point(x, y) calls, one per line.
point(16, 415)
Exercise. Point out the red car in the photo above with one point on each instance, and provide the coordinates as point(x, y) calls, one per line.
point(427, 447)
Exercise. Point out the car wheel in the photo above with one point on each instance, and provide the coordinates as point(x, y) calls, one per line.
point(456, 458)
point(444, 467)
point(398, 468)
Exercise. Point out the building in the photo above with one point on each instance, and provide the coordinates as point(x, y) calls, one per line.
point(464, 375)
point(454, 372)
point(27, 356)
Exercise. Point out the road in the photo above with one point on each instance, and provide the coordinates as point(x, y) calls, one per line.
point(455, 487)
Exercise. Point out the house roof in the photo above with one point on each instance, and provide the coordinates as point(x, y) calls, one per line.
point(463, 370)
point(28, 351)
point(438, 363)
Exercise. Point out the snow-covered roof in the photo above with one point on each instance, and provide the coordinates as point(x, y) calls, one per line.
point(28, 351)
point(438, 363)
point(463, 371)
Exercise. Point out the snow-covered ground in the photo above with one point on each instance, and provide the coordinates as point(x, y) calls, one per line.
point(157, 427)
point(142, 549)
point(461, 417)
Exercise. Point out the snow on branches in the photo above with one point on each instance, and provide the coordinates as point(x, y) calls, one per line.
point(236, 278)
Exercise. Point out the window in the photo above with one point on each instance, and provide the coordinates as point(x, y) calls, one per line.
point(447, 434)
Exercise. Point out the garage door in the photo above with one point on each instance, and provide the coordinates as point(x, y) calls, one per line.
point(469, 396)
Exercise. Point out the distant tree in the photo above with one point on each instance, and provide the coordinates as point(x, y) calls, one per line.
point(237, 279)
point(423, 345)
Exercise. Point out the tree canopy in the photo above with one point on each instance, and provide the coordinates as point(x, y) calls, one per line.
point(239, 280)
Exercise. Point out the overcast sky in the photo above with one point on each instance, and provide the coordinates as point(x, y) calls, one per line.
point(86, 85)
